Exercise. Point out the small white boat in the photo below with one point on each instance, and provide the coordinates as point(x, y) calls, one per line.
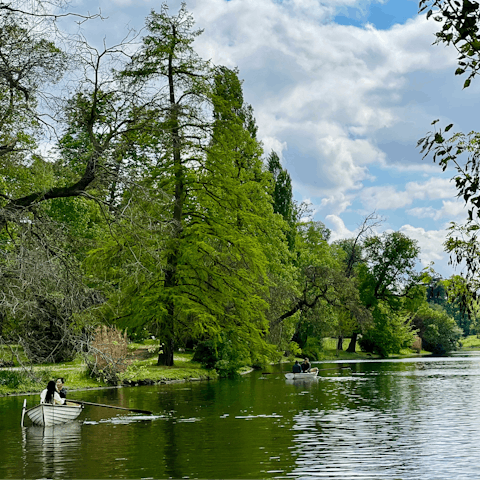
point(298, 376)
point(47, 414)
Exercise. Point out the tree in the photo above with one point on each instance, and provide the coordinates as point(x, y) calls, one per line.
point(282, 195)
point(438, 330)
point(448, 295)
point(353, 258)
point(459, 27)
point(210, 194)
point(390, 331)
point(322, 290)
point(386, 279)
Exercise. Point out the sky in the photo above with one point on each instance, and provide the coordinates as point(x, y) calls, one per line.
point(342, 90)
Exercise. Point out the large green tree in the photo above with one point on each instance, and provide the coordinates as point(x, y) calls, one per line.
point(387, 279)
point(210, 193)
point(283, 202)
point(323, 293)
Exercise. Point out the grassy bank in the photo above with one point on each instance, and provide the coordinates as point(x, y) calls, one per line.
point(142, 370)
point(330, 352)
point(472, 342)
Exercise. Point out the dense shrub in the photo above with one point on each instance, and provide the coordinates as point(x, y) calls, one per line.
point(224, 354)
point(313, 348)
point(439, 331)
point(390, 332)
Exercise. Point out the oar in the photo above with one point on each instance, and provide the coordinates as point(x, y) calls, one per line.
point(81, 402)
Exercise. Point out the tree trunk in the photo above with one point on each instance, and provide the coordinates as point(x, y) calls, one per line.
point(340, 342)
point(353, 343)
point(166, 356)
point(171, 281)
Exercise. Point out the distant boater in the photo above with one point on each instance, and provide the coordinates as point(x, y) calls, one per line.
point(297, 368)
point(306, 366)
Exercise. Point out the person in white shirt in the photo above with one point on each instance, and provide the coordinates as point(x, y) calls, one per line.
point(50, 395)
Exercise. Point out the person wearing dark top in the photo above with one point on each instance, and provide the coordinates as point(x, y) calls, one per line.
point(306, 366)
point(62, 391)
point(297, 368)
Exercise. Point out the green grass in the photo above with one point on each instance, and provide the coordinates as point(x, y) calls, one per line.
point(472, 342)
point(330, 351)
point(184, 369)
point(77, 378)
point(6, 354)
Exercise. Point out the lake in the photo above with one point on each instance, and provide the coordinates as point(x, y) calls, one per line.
point(391, 419)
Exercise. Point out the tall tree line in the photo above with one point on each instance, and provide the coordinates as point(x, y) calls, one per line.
point(157, 210)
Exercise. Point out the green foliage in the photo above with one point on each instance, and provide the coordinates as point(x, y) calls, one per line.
point(282, 196)
point(313, 348)
point(459, 24)
point(439, 332)
point(389, 272)
point(10, 378)
point(223, 353)
point(460, 27)
point(391, 331)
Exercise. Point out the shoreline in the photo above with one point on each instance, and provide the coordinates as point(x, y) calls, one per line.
point(183, 374)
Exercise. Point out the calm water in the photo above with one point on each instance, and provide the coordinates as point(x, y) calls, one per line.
point(388, 420)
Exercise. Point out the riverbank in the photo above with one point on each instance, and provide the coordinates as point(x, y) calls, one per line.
point(143, 369)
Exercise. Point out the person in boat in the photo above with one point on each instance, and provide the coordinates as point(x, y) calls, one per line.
point(306, 366)
point(297, 368)
point(59, 386)
point(50, 395)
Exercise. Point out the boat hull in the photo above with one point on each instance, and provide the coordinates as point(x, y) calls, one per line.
point(303, 376)
point(47, 415)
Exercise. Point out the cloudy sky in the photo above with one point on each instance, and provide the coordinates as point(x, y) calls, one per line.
point(342, 90)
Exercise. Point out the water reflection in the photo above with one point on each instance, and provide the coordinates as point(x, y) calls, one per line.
point(49, 450)
point(394, 420)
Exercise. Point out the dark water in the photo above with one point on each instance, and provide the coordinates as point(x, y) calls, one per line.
point(416, 419)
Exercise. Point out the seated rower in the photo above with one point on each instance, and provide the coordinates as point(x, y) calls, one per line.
point(306, 366)
point(50, 395)
point(297, 368)
point(62, 391)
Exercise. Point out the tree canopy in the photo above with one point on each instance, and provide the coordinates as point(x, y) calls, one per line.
point(155, 210)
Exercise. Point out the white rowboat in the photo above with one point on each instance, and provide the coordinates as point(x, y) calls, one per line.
point(298, 376)
point(47, 415)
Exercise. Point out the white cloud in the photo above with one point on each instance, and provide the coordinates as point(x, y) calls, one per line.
point(450, 210)
point(337, 228)
point(430, 243)
point(390, 198)
point(318, 86)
